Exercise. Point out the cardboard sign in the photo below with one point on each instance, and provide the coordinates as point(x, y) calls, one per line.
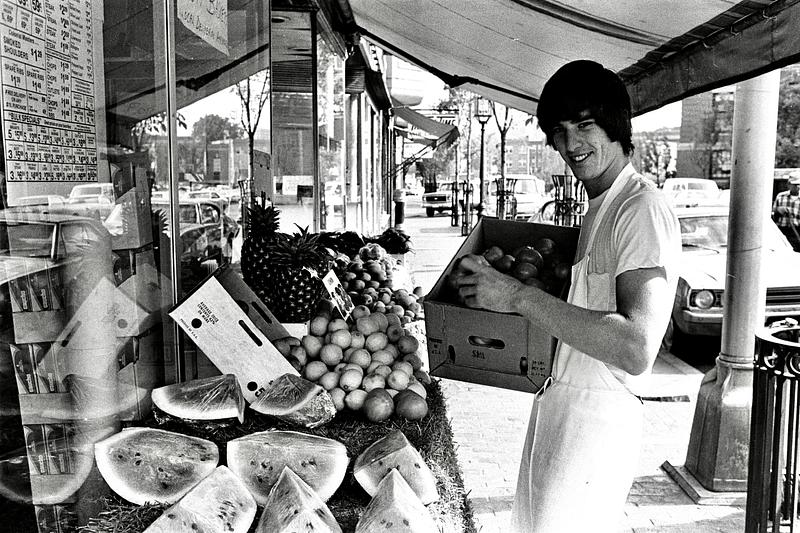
point(208, 19)
point(338, 295)
point(227, 336)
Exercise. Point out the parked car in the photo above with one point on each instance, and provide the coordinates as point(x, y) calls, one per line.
point(692, 192)
point(527, 199)
point(440, 200)
point(698, 305)
point(92, 190)
point(96, 206)
point(43, 203)
point(196, 213)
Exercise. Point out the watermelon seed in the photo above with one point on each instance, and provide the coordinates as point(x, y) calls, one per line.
point(171, 516)
point(194, 527)
point(137, 462)
point(260, 479)
point(405, 521)
point(252, 462)
point(296, 511)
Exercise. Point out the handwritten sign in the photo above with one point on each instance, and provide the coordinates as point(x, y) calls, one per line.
point(208, 19)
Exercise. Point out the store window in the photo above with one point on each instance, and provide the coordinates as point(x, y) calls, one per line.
point(131, 137)
point(330, 120)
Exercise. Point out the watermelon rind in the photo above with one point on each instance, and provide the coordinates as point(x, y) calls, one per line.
point(395, 509)
point(297, 401)
point(212, 398)
point(153, 465)
point(219, 503)
point(293, 506)
point(259, 458)
point(394, 451)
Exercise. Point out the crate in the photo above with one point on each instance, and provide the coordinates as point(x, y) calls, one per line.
point(498, 349)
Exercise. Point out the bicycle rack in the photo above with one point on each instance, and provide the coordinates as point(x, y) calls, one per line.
point(569, 200)
point(454, 207)
point(506, 198)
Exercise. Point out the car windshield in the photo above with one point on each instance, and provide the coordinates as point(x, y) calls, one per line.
point(711, 231)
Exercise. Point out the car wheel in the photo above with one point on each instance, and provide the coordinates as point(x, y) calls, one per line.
point(429, 211)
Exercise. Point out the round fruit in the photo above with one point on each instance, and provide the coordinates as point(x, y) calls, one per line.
point(372, 366)
point(493, 253)
point(353, 366)
point(360, 311)
point(382, 320)
point(410, 405)
point(397, 380)
point(337, 324)
point(505, 263)
point(528, 254)
point(355, 399)
point(414, 360)
point(392, 349)
point(328, 380)
point(404, 367)
point(376, 341)
point(318, 326)
point(341, 338)
point(422, 377)
point(419, 291)
point(350, 380)
point(382, 370)
point(357, 339)
point(378, 405)
point(373, 381)
point(417, 387)
point(523, 271)
point(314, 370)
point(367, 325)
point(360, 357)
point(331, 355)
point(393, 320)
point(383, 357)
point(312, 344)
point(337, 395)
point(408, 344)
point(545, 246)
point(562, 271)
point(340, 367)
point(299, 353)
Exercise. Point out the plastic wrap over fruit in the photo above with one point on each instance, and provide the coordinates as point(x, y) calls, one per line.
point(213, 398)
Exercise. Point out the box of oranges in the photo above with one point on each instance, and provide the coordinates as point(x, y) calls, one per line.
point(499, 349)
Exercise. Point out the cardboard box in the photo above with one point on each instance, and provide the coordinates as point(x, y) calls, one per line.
point(36, 300)
point(130, 223)
point(138, 295)
point(478, 346)
point(219, 326)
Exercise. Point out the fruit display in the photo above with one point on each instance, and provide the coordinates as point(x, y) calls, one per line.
point(395, 507)
point(293, 506)
point(394, 449)
point(220, 502)
point(212, 398)
point(540, 265)
point(257, 248)
point(369, 365)
point(297, 401)
point(260, 457)
point(153, 465)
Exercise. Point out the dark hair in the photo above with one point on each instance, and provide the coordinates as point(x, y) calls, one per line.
point(586, 85)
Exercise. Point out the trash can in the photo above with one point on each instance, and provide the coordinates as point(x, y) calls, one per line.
point(399, 198)
point(772, 460)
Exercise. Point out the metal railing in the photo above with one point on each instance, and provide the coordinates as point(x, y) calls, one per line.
point(772, 487)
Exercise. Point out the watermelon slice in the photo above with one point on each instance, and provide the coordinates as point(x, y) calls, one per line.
point(296, 400)
point(220, 502)
point(213, 398)
point(153, 465)
point(395, 509)
point(293, 506)
point(258, 459)
point(394, 451)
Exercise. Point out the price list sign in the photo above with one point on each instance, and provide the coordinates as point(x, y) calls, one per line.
point(47, 98)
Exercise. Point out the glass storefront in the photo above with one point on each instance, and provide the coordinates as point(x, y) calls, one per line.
point(134, 135)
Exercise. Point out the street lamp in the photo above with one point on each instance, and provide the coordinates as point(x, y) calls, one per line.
point(483, 113)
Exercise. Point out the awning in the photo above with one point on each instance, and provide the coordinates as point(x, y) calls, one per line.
point(506, 49)
point(426, 130)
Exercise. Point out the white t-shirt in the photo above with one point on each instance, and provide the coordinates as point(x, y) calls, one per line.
point(639, 230)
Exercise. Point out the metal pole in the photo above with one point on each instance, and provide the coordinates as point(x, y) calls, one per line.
point(720, 431)
point(481, 205)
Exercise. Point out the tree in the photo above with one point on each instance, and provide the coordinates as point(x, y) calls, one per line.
point(787, 148)
point(253, 93)
point(214, 128)
point(155, 125)
point(503, 128)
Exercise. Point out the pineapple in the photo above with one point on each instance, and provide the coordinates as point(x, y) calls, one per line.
point(297, 265)
point(256, 249)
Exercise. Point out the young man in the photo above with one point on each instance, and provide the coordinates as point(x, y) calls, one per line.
point(786, 211)
point(584, 435)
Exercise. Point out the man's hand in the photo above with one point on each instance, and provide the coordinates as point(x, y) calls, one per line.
point(482, 286)
point(781, 210)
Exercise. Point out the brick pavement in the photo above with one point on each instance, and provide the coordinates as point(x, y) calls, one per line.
point(489, 424)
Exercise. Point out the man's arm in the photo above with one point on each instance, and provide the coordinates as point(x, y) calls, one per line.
point(627, 338)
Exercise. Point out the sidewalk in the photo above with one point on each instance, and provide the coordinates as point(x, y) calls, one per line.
point(489, 426)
